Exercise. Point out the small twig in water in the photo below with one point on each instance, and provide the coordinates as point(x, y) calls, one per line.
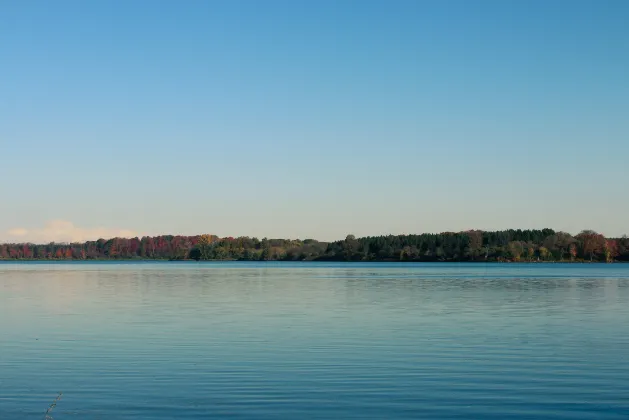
point(51, 407)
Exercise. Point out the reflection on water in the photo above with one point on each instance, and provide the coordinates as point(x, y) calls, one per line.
point(255, 340)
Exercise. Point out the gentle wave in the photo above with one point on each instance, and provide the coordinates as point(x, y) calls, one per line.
point(310, 341)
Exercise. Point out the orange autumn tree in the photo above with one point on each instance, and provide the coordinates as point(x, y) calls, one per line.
point(611, 250)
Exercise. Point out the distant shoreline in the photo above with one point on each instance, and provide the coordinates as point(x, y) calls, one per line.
point(508, 246)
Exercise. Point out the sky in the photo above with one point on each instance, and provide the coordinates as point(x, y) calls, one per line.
point(312, 119)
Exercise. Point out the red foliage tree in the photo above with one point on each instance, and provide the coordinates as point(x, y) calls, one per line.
point(611, 250)
point(592, 243)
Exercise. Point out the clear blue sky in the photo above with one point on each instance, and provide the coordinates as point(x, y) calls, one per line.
point(313, 118)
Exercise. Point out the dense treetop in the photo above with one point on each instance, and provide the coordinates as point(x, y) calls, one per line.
point(473, 245)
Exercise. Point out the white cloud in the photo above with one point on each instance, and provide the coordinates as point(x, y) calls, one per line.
point(64, 231)
point(18, 232)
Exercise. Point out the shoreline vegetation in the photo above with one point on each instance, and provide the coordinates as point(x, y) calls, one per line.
point(544, 245)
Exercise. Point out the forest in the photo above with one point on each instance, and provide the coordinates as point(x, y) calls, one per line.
point(473, 245)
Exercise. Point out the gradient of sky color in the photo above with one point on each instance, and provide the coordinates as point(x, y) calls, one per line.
point(312, 118)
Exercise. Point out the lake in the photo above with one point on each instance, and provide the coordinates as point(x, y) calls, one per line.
point(314, 341)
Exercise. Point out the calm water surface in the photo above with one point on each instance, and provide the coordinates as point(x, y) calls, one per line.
point(309, 341)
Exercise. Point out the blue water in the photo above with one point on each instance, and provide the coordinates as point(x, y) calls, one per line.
point(314, 341)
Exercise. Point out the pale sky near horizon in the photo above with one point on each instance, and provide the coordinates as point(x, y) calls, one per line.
point(312, 118)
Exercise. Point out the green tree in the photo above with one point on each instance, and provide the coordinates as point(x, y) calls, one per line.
point(516, 249)
point(530, 250)
point(544, 253)
point(350, 247)
point(475, 243)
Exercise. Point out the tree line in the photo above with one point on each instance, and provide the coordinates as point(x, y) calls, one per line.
point(473, 245)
